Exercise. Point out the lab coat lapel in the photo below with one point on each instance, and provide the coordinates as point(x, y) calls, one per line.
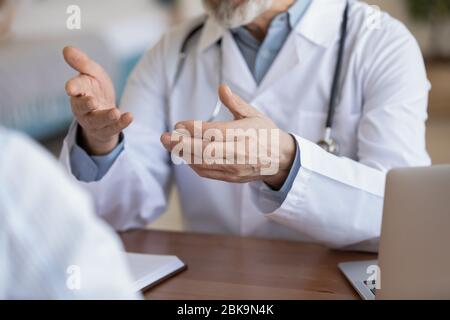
point(287, 62)
point(236, 72)
point(233, 68)
point(320, 26)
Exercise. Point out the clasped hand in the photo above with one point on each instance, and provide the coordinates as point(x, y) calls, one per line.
point(249, 148)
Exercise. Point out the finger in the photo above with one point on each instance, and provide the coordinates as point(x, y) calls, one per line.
point(237, 106)
point(79, 86)
point(166, 140)
point(182, 147)
point(80, 62)
point(83, 105)
point(190, 145)
point(223, 168)
point(213, 131)
point(221, 176)
point(209, 174)
point(99, 119)
point(212, 154)
point(125, 120)
point(190, 149)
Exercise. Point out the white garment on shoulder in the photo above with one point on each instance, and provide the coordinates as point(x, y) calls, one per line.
point(51, 244)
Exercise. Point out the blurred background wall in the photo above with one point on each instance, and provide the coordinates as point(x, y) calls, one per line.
point(118, 32)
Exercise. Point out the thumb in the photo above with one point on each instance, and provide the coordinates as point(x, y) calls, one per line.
point(80, 62)
point(237, 106)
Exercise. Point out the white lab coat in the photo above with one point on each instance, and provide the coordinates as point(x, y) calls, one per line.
point(337, 201)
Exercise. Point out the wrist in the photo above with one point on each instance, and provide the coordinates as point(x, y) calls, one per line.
point(96, 147)
point(277, 181)
point(287, 151)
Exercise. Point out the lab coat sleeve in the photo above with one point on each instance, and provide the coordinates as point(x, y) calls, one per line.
point(134, 191)
point(338, 201)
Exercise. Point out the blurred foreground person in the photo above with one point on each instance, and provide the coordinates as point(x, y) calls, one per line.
point(51, 245)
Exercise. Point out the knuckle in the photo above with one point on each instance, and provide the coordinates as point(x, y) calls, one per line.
point(91, 121)
point(113, 115)
point(111, 130)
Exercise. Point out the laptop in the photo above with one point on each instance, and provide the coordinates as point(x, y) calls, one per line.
point(414, 254)
point(149, 270)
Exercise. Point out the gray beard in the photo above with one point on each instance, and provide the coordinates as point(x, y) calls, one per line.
point(229, 16)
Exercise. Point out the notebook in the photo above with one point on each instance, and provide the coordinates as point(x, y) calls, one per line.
point(149, 270)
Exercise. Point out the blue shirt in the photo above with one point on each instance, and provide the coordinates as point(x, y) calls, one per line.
point(259, 57)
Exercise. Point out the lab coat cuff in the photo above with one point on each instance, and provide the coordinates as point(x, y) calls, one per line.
point(269, 200)
point(295, 198)
point(92, 168)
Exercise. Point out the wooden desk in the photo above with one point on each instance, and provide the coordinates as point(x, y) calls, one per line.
point(227, 267)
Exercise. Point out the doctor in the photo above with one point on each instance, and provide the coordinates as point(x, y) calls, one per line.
point(318, 70)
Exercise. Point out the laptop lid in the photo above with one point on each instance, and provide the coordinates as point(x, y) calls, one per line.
point(414, 254)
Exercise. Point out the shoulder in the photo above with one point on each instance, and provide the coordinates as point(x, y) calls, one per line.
point(386, 56)
point(170, 44)
point(376, 31)
point(31, 178)
point(161, 60)
point(175, 37)
point(18, 151)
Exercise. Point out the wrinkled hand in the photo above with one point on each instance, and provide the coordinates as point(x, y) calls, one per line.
point(94, 104)
point(250, 148)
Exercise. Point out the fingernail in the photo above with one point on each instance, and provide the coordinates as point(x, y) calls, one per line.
point(180, 126)
point(228, 90)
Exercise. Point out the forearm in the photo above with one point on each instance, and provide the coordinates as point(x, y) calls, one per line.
point(133, 192)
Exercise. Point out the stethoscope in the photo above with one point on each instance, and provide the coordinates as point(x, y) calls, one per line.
point(328, 143)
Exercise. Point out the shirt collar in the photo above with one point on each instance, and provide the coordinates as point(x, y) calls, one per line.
point(286, 20)
point(319, 22)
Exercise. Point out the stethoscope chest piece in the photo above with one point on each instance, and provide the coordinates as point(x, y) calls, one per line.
point(329, 144)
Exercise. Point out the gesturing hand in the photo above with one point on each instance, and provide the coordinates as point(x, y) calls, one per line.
point(247, 149)
point(94, 104)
